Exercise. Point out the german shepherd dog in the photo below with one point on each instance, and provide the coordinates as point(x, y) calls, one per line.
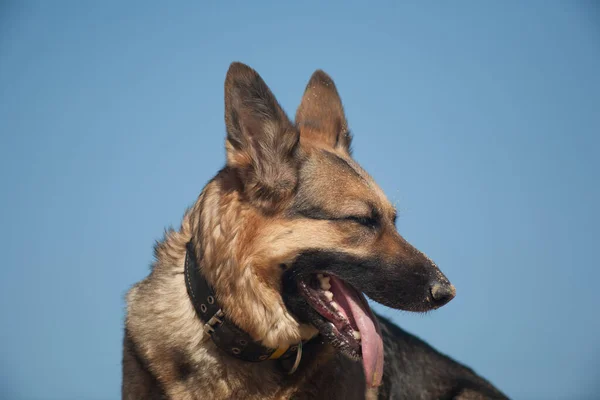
point(259, 294)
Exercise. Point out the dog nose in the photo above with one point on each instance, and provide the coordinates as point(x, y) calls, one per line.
point(442, 292)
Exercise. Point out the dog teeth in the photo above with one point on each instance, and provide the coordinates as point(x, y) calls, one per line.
point(335, 305)
point(328, 294)
point(324, 281)
point(356, 335)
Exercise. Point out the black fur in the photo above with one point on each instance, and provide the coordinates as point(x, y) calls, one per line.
point(415, 370)
point(398, 283)
point(412, 369)
point(182, 365)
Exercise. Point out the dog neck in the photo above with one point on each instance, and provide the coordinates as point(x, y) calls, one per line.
point(224, 333)
point(168, 337)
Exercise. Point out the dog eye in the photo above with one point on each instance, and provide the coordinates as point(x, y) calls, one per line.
point(369, 222)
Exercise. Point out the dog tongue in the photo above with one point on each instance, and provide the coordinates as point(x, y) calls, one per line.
point(355, 307)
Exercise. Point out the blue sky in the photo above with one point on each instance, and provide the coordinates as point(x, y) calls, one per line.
point(480, 120)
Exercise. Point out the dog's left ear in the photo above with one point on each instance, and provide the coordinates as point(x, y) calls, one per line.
point(320, 116)
point(261, 140)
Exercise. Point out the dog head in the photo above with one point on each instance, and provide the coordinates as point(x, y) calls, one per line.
point(294, 230)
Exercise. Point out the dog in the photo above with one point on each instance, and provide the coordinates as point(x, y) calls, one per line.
point(259, 294)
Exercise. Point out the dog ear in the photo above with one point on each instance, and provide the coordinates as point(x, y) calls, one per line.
point(320, 116)
point(261, 141)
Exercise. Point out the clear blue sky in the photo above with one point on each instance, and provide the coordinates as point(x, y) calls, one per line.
point(480, 119)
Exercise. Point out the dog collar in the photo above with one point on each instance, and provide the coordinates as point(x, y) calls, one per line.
point(224, 333)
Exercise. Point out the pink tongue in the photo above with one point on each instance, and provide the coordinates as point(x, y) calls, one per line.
point(354, 306)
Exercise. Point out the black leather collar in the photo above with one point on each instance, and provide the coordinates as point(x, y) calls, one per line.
point(224, 333)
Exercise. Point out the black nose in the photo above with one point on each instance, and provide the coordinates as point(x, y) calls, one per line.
point(442, 292)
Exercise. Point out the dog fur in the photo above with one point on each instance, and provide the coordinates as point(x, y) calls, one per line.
point(289, 202)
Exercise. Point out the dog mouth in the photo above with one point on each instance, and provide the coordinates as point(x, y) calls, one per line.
point(347, 321)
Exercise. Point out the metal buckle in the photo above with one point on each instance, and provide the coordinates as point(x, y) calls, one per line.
point(209, 326)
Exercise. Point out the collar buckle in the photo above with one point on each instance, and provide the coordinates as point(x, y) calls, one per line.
point(214, 321)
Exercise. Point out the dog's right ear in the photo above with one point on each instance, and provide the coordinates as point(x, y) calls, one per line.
point(261, 140)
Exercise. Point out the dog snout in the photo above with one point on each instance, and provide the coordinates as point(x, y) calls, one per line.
point(441, 292)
